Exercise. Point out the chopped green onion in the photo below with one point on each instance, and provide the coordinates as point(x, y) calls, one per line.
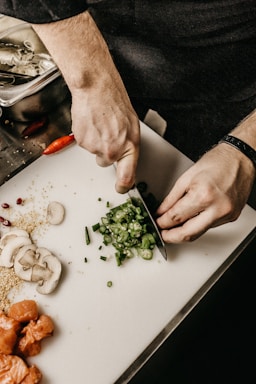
point(103, 258)
point(129, 230)
point(87, 236)
point(95, 227)
point(104, 221)
point(102, 229)
point(146, 254)
point(107, 239)
point(109, 284)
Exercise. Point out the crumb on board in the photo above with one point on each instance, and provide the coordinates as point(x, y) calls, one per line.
point(9, 282)
point(29, 221)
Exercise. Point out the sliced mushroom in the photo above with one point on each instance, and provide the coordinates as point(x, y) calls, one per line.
point(30, 263)
point(46, 272)
point(12, 234)
point(40, 273)
point(41, 252)
point(27, 256)
point(24, 261)
point(55, 213)
point(11, 249)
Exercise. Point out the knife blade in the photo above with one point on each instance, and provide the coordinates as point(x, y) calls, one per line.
point(134, 193)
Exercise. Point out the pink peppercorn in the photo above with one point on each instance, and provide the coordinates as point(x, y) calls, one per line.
point(7, 223)
point(5, 205)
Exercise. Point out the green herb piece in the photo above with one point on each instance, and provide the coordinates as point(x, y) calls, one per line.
point(109, 284)
point(87, 236)
point(85, 260)
point(103, 258)
point(146, 254)
point(95, 227)
point(107, 239)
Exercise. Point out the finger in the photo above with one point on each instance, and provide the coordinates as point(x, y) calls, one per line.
point(185, 209)
point(125, 173)
point(191, 230)
point(102, 162)
point(177, 192)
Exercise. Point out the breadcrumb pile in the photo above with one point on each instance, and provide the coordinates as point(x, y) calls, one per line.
point(9, 283)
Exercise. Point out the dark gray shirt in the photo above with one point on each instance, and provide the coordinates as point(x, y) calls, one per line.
point(42, 11)
point(194, 61)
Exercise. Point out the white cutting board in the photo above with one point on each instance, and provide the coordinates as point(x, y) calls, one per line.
point(100, 331)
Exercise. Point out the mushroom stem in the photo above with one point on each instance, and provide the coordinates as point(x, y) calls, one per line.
point(28, 260)
point(40, 273)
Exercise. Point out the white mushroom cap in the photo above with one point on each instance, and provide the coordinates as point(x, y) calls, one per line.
point(24, 261)
point(12, 234)
point(55, 213)
point(11, 248)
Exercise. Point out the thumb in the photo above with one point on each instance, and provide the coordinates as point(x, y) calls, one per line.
point(125, 173)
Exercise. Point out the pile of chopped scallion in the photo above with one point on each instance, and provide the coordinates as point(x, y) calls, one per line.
point(129, 230)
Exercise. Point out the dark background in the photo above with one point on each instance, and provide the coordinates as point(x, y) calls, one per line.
point(216, 342)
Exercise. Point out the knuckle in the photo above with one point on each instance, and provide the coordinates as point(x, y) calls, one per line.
point(178, 237)
point(102, 162)
point(175, 218)
point(205, 195)
point(229, 210)
point(110, 154)
point(188, 237)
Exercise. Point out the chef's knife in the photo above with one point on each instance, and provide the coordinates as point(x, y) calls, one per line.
point(135, 194)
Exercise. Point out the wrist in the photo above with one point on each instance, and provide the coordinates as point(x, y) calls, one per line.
point(241, 146)
point(238, 162)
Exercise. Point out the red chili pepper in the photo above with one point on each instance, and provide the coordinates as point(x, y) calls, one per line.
point(34, 127)
point(59, 144)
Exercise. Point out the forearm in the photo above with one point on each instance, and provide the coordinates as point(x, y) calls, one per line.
point(103, 119)
point(79, 51)
point(246, 130)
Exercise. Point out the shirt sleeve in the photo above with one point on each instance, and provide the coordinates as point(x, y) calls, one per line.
point(42, 11)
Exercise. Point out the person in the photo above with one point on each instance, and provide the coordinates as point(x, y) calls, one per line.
point(194, 62)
